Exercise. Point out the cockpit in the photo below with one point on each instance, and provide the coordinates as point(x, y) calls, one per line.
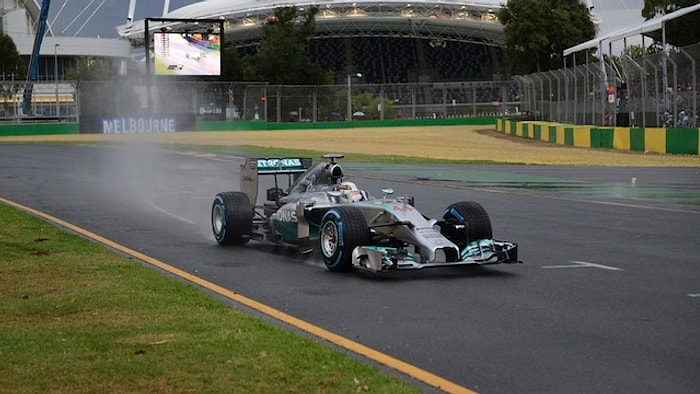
point(325, 177)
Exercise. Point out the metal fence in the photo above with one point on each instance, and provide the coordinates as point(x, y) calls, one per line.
point(659, 90)
point(258, 101)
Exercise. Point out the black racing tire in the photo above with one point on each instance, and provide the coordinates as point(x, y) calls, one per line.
point(232, 218)
point(477, 224)
point(342, 229)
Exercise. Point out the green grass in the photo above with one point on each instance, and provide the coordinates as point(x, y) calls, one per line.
point(76, 317)
point(258, 151)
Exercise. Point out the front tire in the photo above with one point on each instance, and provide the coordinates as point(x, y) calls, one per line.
point(232, 218)
point(466, 222)
point(342, 229)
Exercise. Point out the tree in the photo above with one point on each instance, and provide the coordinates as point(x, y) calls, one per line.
point(681, 31)
point(370, 104)
point(232, 69)
point(101, 91)
point(283, 57)
point(636, 51)
point(538, 31)
point(13, 70)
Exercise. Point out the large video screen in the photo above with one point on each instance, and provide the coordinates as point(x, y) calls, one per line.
point(187, 53)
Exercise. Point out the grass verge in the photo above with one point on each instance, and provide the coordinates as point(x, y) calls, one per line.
point(444, 144)
point(261, 151)
point(76, 317)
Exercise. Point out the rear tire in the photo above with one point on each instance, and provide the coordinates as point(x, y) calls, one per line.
point(342, 229)
point(471, 215)
point(232, 218)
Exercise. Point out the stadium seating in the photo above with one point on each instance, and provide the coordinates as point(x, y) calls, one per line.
point(402, 60)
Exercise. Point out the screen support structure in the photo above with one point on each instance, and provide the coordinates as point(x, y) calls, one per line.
point(174, 25)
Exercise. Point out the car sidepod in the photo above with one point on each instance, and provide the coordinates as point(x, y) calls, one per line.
point(285, 222)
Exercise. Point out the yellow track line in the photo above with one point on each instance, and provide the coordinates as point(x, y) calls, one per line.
point(391, 362)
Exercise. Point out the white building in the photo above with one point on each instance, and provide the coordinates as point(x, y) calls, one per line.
point(19, 19)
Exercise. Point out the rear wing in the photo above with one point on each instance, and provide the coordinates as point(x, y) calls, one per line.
point(293, 167)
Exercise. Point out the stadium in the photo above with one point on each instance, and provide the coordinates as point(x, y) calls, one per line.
point(422, 59)
point(416, 59)
point(387, 41)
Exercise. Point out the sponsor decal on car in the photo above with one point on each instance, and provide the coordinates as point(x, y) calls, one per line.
point(264, 164)
point(402, 208)
point(287, 216)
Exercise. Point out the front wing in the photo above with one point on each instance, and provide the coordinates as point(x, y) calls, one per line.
point(482, 252)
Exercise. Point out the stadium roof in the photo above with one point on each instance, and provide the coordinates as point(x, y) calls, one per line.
point(647, 28)
point(466, 21)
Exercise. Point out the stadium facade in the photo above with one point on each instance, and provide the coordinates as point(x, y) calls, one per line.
point(19, 21)
point(387, 41)
point(52, 95)
point(393, 44)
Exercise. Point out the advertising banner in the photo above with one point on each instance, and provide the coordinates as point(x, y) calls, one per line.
point(137, 124)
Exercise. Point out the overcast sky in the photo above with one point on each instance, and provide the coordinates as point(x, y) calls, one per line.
point(92, 18)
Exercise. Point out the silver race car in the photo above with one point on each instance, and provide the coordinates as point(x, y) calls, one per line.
point(352, 229)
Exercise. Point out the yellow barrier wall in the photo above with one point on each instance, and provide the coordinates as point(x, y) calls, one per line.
point(519, 129)
point(655, 140)
point(621, 138)
point(582, 137)
point(560, 135)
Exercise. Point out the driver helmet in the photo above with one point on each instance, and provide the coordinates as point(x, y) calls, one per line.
point(350, 196)
point(349, 192)
point(347, 186)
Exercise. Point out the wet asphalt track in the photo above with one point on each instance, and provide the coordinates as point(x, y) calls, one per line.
point(608, 299)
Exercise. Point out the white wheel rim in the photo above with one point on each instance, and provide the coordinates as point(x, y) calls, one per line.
point(329, 239)
point(217, 219)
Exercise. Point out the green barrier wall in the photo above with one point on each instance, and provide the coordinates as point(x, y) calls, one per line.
point(258, 125)
point(16, 129)
point(19, 129)
point(657, 140)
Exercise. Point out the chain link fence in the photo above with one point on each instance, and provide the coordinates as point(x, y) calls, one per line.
point(653, 91)
point(659, 90)
point(234, 101)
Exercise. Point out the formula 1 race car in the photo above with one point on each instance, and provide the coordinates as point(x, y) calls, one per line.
point(352, 229)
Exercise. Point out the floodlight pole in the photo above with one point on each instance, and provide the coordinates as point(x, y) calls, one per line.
point(664, 68)
point(358, 75)
point(147, 49)
point(55, 74)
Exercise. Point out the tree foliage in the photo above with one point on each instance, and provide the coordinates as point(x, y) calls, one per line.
point(681, 31)
point(636, 51)
point(101, 91)
point(283, 56)
point(369, 104)
point(654, 8)
point(538, 31)
point(13, 71)
point(232, 65)
point(10, 60)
